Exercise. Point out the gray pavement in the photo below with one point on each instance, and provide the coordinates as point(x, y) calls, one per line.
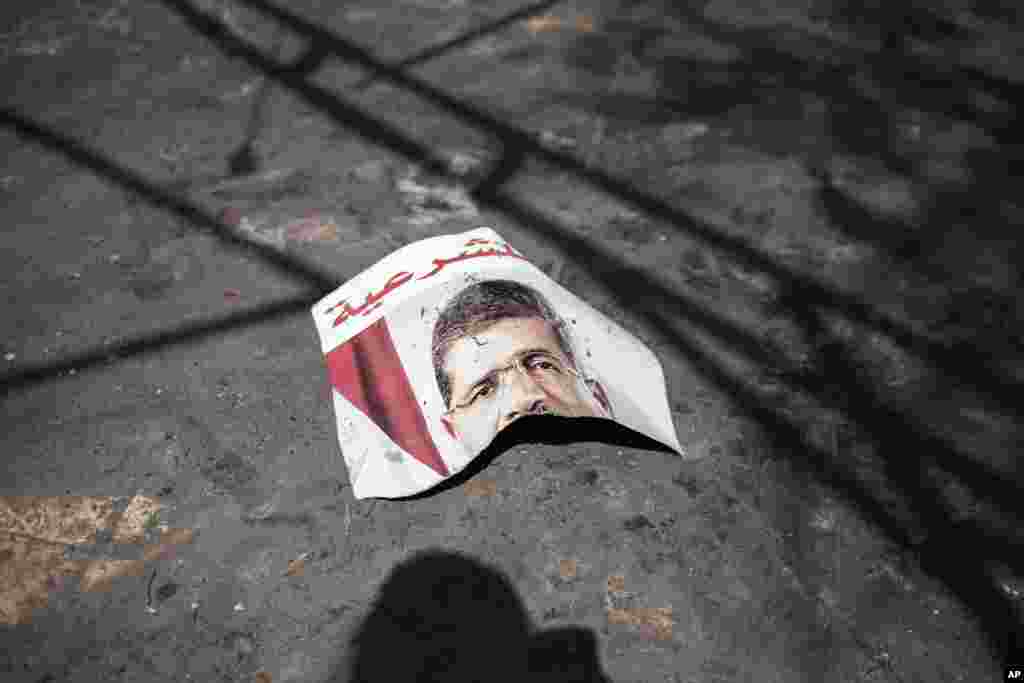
point(836, 517)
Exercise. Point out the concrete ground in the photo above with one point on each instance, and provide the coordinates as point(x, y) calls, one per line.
point(805, 207)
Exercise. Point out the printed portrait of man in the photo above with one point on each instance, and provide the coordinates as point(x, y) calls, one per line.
point(500, 352)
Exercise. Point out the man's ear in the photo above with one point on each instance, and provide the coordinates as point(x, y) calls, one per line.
point(598, 391)
point(449, 425)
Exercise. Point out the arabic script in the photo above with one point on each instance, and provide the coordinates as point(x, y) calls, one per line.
point(373, 299)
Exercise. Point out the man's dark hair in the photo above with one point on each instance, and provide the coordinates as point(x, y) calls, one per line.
point(480, 306)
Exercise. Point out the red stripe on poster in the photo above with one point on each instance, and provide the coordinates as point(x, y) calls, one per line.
point(367, 371)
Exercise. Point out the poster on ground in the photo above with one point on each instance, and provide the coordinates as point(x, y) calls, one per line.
point(442, 344)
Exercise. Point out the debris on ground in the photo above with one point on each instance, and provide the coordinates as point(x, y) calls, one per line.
point(312, 228)
point(554, 141)
point(761, 558)
point(254, 229)
point(41, 536)
point(469, 165)
point(99, 575)
point(653, 622)
point(480, 488)
point(169, 541)
point(48, 48)
point(567, 568)
point(677, 133)
point(374, 171)
point(679, 139)
point(297, 566)
point(547, 23)
point(429, 203)
point(242, 91)
point(132, 526)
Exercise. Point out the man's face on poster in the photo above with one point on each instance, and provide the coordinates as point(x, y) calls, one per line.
point(514, 367)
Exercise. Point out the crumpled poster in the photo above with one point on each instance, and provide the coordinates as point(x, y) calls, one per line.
point(442, 344)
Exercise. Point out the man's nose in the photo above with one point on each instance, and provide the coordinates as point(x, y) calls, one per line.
point(527, 398)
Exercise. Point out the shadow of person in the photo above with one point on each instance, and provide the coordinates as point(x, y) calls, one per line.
point(443, 616)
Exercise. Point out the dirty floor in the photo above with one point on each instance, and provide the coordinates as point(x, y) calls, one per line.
point(807, 208)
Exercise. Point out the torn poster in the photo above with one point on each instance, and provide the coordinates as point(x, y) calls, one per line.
point(442, 344)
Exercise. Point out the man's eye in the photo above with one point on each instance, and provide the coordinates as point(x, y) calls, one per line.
point(483, 391)
point(542, 363)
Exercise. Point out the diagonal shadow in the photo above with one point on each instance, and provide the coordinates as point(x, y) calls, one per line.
point(971, 368)
point(969, 579)
point(768, 76)
point(191, 333)
point(159, 198)
point(653, 294)
point(989, 481)
point(646, 295)
point(320, 280)
point(466, 38)
point(900, 71)
point(245, 160)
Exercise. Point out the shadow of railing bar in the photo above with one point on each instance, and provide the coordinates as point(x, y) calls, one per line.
point(990, 482)
point(78, 153)
point(462, 40)
point(322, 281)
point(893, 69)
point(967, 578)
point(861, 405)
point(604, 265)
point(972, 369)
point(652, 294)
point(193, 332)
